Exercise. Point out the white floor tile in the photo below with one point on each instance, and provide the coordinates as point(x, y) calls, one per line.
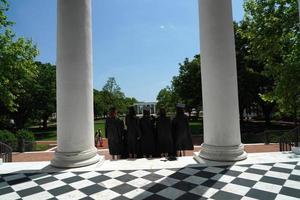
point(292, 184)
point(261, 167)
point(139, 182)
point(52, 185)
point(165, 172)
point(39, 196)
point(238, 168)
point(250, 176)
point(277, 175)
point(296, 172)
point(284, 165)
point(138, 194)
point(64, 175)
point(10, 196)
point(89, 175)
point(23, 186)
point(268, 187)
point(140, 173)
point(114, 174)
point(223, 178)
point(81, 184)
point(106, 194)
point(111, 183)
point(236, 189)
point(285, 197)
point(76, 194)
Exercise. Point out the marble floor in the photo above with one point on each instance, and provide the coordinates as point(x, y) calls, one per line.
point(262, 176)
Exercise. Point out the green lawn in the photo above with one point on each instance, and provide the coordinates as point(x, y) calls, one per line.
point(42, 147)
point(251, 132)
point(196, 128)
point(50, 133)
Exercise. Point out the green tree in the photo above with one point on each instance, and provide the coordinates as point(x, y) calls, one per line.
point(273, 34)
point(45, 92)
point(3, 18)
point(167, 98)
point(100, 108)
point(18, 72)
point(187, 85)
point(252, 81)
point(111, 96)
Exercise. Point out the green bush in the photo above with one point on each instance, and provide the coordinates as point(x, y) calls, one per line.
point(26, 141)
point(26, 135)
point(8, 138)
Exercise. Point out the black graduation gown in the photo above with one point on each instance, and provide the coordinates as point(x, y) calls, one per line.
point(114, 128)
point(147, 136)
point(164, 135)
point(182, 133)
point(133, 133)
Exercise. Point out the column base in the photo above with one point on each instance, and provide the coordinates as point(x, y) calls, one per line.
point(223, 153)
point(296, 150)
point(75, 159)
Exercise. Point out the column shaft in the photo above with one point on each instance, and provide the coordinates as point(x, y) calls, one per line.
point(75, 118)
point(222, 140)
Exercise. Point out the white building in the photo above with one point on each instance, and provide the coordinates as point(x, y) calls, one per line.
point(139, 107)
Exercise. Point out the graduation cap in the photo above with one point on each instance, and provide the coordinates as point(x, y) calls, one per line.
point(180, 105)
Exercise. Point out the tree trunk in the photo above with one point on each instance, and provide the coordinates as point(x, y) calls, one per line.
point(45, 122)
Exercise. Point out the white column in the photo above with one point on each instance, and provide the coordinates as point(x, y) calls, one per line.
point(75, 120)
point(222, 140)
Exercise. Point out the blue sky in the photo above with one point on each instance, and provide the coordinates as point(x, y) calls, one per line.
point(139, 42)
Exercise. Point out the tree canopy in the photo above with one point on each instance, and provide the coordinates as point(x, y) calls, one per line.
point(111, 96)
point(272, 31)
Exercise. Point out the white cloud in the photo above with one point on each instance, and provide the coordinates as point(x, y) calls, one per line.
point(162, 27)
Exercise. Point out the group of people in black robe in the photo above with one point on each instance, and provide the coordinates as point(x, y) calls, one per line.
point(148, 136)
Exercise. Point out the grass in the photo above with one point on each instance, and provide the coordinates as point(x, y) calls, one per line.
point(100, 124)
point(42, 147)
point(252, 132)
point(196, 128)
point(50, 133)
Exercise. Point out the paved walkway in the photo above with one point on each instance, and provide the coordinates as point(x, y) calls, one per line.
point(46, 156)
point(264, 176)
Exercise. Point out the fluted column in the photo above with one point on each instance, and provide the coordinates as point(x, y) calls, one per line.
point(222, 140)
point(75, 119)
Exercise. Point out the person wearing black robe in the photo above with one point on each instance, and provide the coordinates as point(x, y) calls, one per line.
point(164, 134)
point(114, 129)
point(147, 134)
point(181, 131)
point(133, 132)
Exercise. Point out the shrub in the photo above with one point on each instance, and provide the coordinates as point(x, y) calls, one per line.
point(25, 140)
point(8, 138)
point(26, 135)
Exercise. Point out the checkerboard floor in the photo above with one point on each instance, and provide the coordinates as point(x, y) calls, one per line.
point(253, 181)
